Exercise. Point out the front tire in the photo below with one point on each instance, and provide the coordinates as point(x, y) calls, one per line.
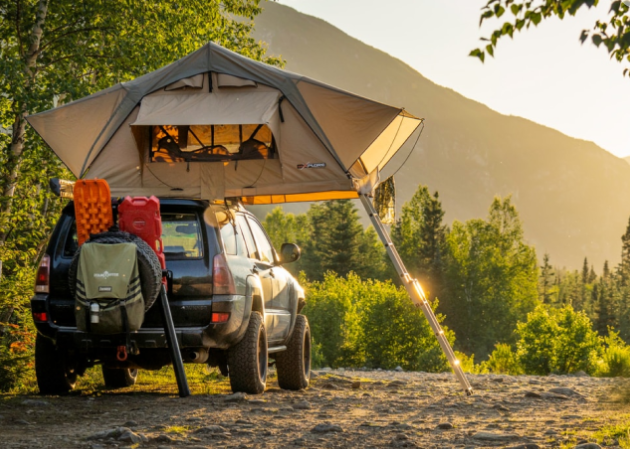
point(248, 359)
point(294, 363)
point(53, 373)
point(119, 378)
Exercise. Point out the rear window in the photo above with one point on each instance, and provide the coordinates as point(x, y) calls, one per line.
point(181, 236)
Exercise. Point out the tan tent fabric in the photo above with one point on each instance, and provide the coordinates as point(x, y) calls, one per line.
point(326, 138)
point(193, 82)
point(205, 109)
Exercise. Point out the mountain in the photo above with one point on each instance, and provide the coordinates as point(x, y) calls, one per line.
point(573, 196)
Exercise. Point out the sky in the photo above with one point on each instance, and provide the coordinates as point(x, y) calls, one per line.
point(544, 74)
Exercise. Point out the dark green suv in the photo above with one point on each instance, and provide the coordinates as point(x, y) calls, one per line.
point(233, 304)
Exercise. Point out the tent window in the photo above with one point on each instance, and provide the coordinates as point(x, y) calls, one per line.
point(210, 143)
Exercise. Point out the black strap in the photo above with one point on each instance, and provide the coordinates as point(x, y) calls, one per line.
point(282, 98)
point(125, 323)
point(88, 313)
point(210, 82)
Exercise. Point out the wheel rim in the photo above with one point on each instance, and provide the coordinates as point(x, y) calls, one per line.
point(306, 356)
point(262, 356)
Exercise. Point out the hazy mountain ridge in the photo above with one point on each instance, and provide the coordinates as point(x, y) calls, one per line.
point(570, 192)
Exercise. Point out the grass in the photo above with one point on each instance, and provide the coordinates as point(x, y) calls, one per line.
point(201, 379)
point(619, 432)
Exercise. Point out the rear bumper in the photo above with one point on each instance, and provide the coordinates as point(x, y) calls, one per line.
point(219, 335)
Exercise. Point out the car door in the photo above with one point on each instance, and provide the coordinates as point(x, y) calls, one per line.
point(259, 267)
point(279, 304)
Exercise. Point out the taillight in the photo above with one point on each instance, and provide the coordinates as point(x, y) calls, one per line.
point(42, 279)
point(222, 280)
point(220, 317)
point(40, 316)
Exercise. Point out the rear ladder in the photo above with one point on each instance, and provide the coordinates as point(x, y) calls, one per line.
point(415, 292)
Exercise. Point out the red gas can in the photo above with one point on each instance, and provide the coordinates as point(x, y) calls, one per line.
point(141, 216)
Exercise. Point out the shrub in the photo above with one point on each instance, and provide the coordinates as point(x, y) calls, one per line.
point(468, 364)
point(557, 341)
point(503, 361)
point(360, 323)
point(615, 358)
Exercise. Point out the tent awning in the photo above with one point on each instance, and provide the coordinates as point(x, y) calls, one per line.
point(209, 109)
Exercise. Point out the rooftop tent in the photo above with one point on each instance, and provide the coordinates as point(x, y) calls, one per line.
point(216, 124)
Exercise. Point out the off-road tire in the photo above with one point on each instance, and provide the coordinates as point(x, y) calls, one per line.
point(54, 377)
point(294, 364)
point(248, 359)
point(149, 266)
point(119, 378)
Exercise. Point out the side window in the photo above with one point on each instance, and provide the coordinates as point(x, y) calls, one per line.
point(229, 238)
point(181, 236)
point(247, 235)
point(262, 241)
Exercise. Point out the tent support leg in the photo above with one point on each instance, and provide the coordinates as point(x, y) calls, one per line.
point(173, 345)
point(415, 293)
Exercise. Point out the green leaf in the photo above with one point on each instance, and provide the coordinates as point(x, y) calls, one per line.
point(477, 53)
point(597, 39)
point(485, 15)
point(490, 50)
point(516, 9)
point(584, 36)
point(498, 10)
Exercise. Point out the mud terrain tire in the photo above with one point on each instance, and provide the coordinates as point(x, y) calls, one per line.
point(248, 359)
point(294, 364)
point(119, 378)
point(54, 377)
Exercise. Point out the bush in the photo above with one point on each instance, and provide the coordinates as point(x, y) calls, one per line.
point(615, 358)
point(503, 361)
point(370, 323)
point(557, 341)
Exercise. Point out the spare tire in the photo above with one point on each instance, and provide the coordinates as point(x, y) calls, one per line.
point(149, 266)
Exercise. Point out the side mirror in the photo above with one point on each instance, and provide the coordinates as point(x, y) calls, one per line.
point(289, 252)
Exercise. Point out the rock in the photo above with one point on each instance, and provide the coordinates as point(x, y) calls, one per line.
point(398, 369)
point(211, 429)
point(550, 395)
point(532, 394)
point(501, 408)
point(194, 419)
point(130, 437)
point(131, 424)
point(109, 433)
point(97, 446)
point(551, 432)
point(326, 369)
point(330, 386)
point(356, 384)
point(314, 375)
point(22, 422)
point(588, 446)
point(326, 428)
point(304, 405)
point(236, 397)
point(564, 391)
point(444, 426)
point(163, 439)
point(164, 447)
point(525, 446)
point(35, 403)
point(580, 374)
point(491, 436)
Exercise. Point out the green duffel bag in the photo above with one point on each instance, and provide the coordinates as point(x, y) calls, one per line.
point(108, 293)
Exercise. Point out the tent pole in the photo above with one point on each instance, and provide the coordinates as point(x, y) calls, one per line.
point(415, 292)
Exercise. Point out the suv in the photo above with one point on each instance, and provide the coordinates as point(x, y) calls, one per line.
point(233, 305)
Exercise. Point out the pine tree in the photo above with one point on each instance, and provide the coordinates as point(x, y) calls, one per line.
point(585, 271)
point(420, 237)
point(625, 256)
point(546, 280)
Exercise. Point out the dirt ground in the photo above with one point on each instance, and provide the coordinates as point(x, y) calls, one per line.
point(341, 409)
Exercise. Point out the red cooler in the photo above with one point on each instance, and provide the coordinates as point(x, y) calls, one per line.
point(141, 216)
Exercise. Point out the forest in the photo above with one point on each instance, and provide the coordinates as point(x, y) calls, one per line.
point(504, 311)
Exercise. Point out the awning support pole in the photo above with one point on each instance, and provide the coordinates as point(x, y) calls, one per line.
point(415, 292)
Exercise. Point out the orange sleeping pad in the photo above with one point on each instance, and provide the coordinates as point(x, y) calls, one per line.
point(92, 208)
